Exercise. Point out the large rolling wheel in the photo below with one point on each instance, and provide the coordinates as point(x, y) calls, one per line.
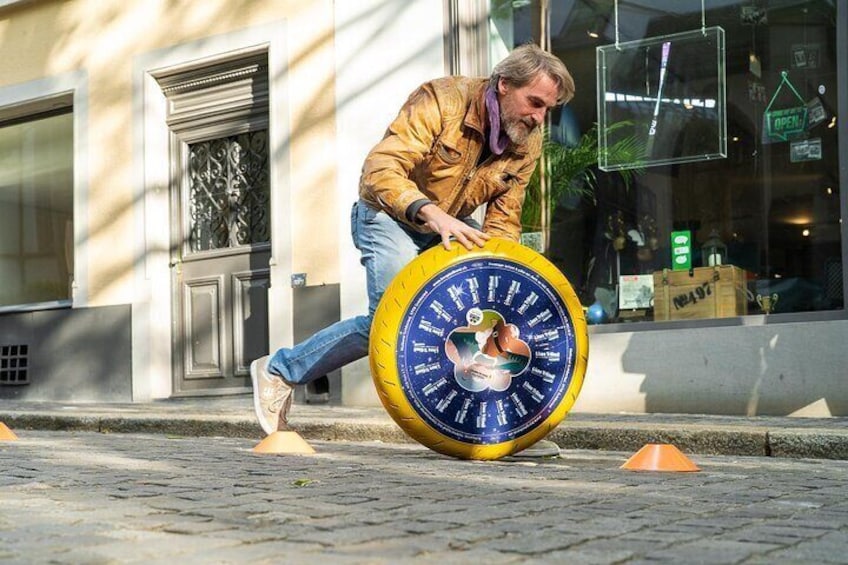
point(479, 354)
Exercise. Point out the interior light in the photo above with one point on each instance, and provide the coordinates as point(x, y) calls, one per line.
point(829, 191)
point(832, 123)
point(805, 232)
point(799, 220)
point(735, 138)
point(596, 27)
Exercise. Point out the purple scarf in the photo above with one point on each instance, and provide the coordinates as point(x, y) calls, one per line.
point(498, 140)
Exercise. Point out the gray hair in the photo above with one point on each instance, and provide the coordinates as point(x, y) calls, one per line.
point(525, 63)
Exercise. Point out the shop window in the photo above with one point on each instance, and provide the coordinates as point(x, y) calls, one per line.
point(36, 208)
point(755, 231)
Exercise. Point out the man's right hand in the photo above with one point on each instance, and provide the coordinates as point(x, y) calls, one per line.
point(447, 226)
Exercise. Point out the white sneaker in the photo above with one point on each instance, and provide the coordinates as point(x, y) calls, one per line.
point(272, 397)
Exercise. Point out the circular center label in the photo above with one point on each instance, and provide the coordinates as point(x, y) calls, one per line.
point(486, 351)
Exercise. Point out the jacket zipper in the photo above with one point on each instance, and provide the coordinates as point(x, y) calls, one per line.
point(469, 176)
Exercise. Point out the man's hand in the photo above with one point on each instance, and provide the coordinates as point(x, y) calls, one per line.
point(447, 226)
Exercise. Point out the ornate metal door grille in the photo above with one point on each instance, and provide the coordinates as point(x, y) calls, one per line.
point(229, 192)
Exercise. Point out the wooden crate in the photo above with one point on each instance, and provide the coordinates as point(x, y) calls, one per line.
point(710, 292)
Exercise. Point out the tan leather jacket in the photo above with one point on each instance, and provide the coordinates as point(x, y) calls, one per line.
point(432, 150)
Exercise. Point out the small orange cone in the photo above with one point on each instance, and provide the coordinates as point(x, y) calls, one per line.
point(286, 442)
point(6, 434)
point(660, 457)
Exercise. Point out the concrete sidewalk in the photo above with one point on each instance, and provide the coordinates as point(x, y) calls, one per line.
point(819, 438)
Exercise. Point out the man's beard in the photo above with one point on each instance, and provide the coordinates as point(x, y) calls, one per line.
point(518, 130)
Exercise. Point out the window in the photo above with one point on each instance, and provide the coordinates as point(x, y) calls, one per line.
point(229, 191)
point(36, 208)
point(755, 232)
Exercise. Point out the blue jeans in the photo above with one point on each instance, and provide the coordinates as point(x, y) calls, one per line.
point(386, 247)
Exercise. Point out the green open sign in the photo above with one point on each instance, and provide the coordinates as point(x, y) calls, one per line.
point(786, 122)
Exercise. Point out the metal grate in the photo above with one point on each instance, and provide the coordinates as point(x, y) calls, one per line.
point(14, 365)
point(230, 191)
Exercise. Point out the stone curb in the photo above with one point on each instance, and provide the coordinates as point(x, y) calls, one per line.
point(812, 444)
point(701, 441)
point(609, 436)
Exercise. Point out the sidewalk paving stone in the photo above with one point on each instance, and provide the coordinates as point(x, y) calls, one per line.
point(94, 497)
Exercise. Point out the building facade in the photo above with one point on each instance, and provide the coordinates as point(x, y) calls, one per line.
point(178, 176)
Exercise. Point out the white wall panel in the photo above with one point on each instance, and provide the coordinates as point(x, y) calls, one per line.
point(384, 50)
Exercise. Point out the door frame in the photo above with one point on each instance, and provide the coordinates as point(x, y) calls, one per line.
point(151, 317)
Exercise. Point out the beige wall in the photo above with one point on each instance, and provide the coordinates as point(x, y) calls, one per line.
point(102, 37)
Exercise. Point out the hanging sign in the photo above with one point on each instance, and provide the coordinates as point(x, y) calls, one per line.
point(642, 83)
point(782, 124)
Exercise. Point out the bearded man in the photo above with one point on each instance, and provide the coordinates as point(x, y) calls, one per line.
point(458, 143)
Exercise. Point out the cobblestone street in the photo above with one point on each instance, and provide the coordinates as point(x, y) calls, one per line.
point(101, 498)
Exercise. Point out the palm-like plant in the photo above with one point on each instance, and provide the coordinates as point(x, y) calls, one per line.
point(571, 171)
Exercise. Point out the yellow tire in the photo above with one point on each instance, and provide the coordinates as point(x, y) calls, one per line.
point(479, 354)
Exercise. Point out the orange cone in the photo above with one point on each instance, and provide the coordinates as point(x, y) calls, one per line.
point(660, 457)
point(6, 434)
point(287, 442)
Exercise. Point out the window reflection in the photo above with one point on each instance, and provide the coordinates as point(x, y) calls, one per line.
point(773, 202)
point(36, 209)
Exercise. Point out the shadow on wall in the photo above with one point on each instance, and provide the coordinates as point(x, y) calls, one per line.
point(771, 369)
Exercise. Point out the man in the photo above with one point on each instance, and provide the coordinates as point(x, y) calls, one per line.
point(457, 143)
